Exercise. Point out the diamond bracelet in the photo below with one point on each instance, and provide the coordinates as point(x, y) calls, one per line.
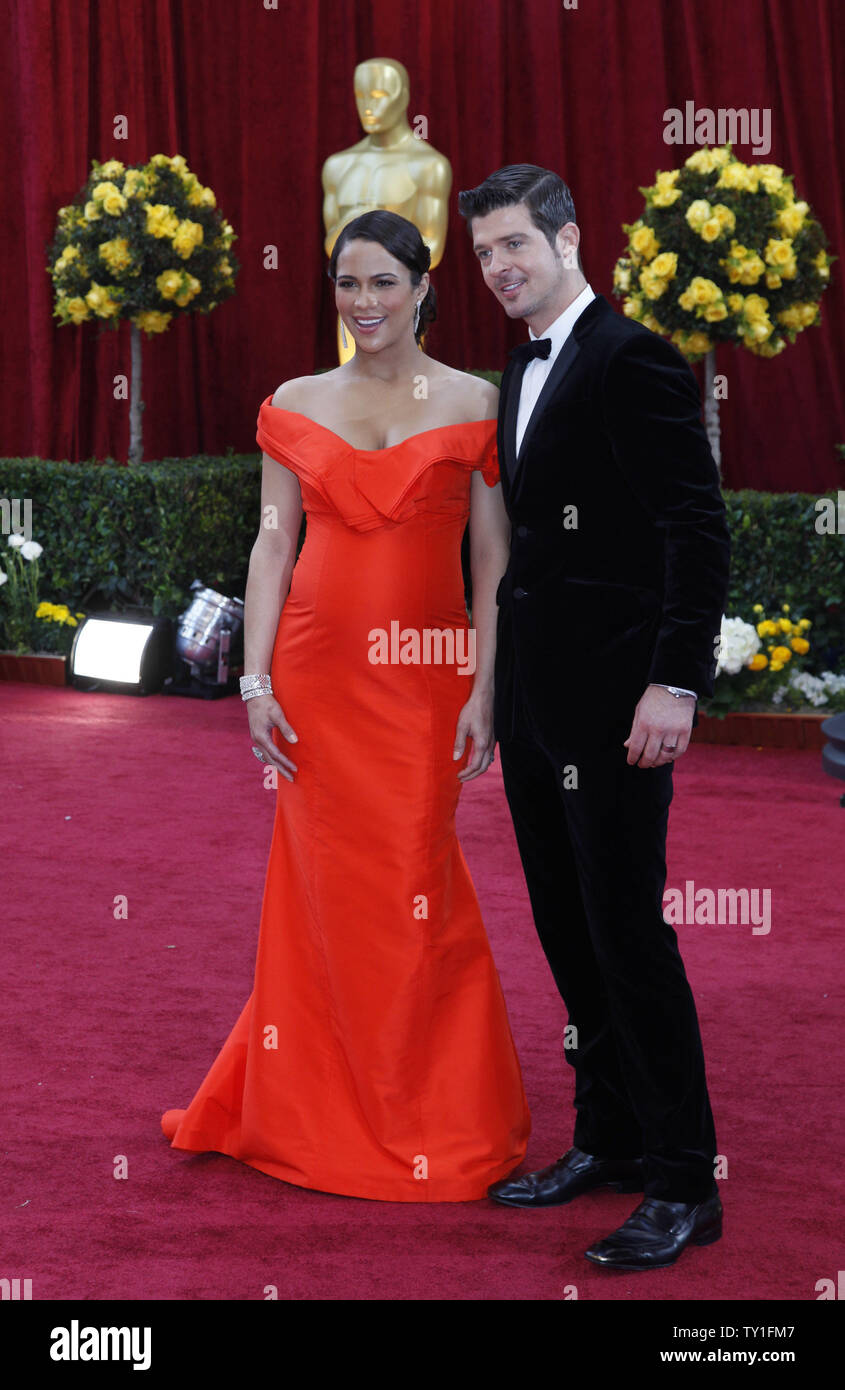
point(255, 685)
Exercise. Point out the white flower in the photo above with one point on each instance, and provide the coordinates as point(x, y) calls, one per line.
point(815, 689)
point(3, 576)
point(737, 644)
point(30, 550)
point(16, 540)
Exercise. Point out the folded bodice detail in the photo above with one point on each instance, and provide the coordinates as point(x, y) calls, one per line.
point(369, 488)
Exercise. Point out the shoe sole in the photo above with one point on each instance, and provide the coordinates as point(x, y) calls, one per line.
point(705, 1237)
point(624, 1185)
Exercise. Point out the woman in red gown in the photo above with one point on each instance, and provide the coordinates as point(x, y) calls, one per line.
point(374, 1056)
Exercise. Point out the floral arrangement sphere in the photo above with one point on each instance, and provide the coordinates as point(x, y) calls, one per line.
point(724, 252)
point(141, 242)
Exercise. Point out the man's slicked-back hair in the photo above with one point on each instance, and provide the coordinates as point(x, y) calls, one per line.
point(543, 192)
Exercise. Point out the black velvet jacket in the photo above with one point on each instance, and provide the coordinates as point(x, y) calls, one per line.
point(628, 588)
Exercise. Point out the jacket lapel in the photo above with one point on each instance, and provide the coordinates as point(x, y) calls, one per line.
point(562, 363)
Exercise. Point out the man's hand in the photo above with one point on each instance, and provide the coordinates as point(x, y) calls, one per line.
point(661, 729)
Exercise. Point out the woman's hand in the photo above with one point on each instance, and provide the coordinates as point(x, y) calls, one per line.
point(265, 714)
point(475, 721)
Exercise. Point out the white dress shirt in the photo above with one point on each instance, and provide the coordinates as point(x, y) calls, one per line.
point(537, 371)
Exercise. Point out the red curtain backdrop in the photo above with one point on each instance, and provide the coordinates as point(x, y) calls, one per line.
point(256, 98)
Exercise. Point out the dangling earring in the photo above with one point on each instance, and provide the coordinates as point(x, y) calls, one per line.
point(417, 317)
point(343, 334)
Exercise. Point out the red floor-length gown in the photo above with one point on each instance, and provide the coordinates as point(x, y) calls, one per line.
point(374, 1057)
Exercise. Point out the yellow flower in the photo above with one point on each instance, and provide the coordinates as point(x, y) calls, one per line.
point(111, 198)
point(755, 307)
point(187, 236)
point(800, 645)
point(651, 285)
point(621, 277)
point(92, 212)
point(766, 628)
point(665, 265)
point(773, 280)
point(188, 291)
point(791, 218)
point(649, 321)
point(782, 654)
point(798, 316)
point(691, 344)
point(99, 299)
point(758, 608)
point(775, 665)
point(785, 608)
point(168, 282)
point(785, 624)
point(115, 253)
point(78, 309)
point(821, 263)
point(735, 303)
point(112, 169)
point(704, 291)
point(778, 252)
point(711, 230)
point(727, 220)
point(152, 321)
point(705, 161)
point(738, 175)
point(714, 313)
point(804, 623)
point(771, 177)
point(644, 243)
point(758, 662)
point(664, 196)
point(770, 348)
point(134, 184)
point(698, 213)
point(664, 193)
point(161, 220)
point(632, 307)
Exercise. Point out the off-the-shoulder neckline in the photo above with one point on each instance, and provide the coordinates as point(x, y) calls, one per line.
point(435, 429)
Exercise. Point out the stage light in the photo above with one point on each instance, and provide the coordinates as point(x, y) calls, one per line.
point(117, 652)
point(833, 753)
point(209, 642)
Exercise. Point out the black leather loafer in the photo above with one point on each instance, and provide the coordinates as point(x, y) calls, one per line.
point(571, 1175)
point(657, 1232)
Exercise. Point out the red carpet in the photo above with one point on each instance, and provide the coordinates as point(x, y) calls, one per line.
point(109, 1022)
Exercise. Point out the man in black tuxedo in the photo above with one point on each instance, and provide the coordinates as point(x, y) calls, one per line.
point(609, 615)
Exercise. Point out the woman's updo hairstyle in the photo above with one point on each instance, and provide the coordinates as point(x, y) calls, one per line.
point(402, 240)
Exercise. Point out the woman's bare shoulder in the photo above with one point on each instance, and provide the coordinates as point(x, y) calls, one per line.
point(299, 392)
point(479, 399)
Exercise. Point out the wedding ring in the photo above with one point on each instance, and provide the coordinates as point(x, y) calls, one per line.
point(258, 753)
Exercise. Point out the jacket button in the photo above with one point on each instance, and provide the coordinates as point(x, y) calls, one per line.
point(522, 531)
point(520, 593)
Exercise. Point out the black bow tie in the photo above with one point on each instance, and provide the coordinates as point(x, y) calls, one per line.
point(537, 347)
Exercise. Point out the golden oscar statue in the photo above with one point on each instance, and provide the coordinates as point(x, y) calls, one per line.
point(392, 167)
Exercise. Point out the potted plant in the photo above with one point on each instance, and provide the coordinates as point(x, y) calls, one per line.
point(763, 694)
point(36, 635)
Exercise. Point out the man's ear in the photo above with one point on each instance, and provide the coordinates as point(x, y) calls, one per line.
point(568, 240)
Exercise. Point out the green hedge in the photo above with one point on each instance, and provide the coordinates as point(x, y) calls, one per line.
point(116, 537)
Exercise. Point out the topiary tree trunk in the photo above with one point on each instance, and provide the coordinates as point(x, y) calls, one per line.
point(136, 405)
point(711, 408)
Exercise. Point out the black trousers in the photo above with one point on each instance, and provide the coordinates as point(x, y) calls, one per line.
point(594, 858)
